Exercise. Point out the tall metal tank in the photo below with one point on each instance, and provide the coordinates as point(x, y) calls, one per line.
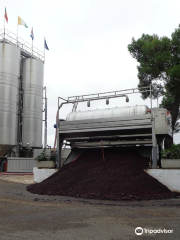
point(33, 78)
point(9, 82)
point(108, 113)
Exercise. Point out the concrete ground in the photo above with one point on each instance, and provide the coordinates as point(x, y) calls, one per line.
point(29, 216)
point(25, 179)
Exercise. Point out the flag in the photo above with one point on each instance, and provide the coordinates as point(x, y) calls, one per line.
point(5, 15)
point(32, 34)
point(45, 45)
point(21, 22)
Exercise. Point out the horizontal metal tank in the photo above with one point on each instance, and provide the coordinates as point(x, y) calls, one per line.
point(33, 78)
point(9, 82)
point(108, 113)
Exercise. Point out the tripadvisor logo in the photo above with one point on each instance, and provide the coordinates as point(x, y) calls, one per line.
point(138, 231)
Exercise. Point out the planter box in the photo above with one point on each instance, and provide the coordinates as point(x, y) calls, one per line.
point(170, 163)
point(45, 164)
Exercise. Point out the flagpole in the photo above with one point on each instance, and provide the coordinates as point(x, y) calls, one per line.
point(17, 35)
point(4, 29)
point(32, 49)
point(44, 50)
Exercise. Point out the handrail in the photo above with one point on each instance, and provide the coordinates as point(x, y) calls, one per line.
point(115, 92)
point(20, 43)
point(105, 95)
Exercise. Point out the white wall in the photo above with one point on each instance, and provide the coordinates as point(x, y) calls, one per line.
point(168, 177)
point(42, 174)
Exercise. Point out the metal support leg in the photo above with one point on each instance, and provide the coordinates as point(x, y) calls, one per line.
point(154, 149)
point(154, 157)
point(59, 147)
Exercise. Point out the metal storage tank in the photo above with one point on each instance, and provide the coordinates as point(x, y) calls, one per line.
point(108, 113)
point(9, 82)
point(32, 77)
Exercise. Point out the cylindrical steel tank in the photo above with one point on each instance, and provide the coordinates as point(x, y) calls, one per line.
point(108, 113)
point(9, 82)
point(32, 77)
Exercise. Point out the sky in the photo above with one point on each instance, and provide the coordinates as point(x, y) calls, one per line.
point(87, 42)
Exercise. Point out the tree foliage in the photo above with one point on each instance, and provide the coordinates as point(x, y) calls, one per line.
point(159, 65)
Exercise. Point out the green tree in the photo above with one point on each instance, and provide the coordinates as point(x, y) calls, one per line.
point(159, 65)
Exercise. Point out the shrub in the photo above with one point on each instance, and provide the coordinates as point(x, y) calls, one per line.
point(45, 157)
point(53, 156)
point(172, 153)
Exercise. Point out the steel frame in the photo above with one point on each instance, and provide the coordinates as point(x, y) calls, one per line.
point(99, 96)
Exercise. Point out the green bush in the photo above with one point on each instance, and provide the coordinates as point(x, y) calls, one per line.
point(45, 157)
point(172, 153)
point(53, 156)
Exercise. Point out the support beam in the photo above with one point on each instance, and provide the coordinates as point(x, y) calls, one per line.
point(154, 149)
point(113, 143)
point(59, 147)
point(137, 136)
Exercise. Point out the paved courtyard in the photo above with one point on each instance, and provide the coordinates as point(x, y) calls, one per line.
point(28, 216)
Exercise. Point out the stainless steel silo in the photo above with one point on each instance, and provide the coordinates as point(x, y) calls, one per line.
point(32, 77)
point(9, 82)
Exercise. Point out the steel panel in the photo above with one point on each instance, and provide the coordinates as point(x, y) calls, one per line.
point(102, 125)
point(110, 119)
point(140, 124)
point(105, 129)
point(9, 74)
point(133, 136)
point(163, 123)
point(33, 78)
point(106, 132)
point(105, 143)
point(21, 164)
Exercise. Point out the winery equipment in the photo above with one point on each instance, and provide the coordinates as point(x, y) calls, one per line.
point(33, 79)
point(21, 96)
point(9, 77)
point(115, 127)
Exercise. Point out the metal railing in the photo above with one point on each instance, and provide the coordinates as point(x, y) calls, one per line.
point(99, 96)
point(112, 94)
point(24, 46)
